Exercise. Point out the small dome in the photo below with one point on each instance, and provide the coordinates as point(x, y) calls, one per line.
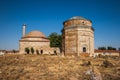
point(78, 17)
point(35, 34)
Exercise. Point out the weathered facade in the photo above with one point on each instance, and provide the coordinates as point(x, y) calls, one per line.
point(77, 36)
point(38, 41)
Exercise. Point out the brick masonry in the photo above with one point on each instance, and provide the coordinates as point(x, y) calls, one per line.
point(78, 37)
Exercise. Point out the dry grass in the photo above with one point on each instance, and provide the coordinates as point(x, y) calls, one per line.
point(44, 67)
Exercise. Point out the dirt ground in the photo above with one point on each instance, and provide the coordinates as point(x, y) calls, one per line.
point(46, 67)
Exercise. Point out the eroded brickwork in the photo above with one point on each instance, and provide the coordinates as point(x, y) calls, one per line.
point(78, 36)
point(39, 42)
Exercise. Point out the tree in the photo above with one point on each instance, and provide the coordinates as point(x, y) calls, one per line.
point(101, 48)
point(14, 51)
point(118, 49)
point(32, 50)
point(114, 49)
point(27, 50)
point(109, 48)
point(55, 40)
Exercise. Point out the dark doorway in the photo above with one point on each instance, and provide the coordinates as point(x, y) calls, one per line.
point(41, 51)
point(55, 52)
point(84, 49)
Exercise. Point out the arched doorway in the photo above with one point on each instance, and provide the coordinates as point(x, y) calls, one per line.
point(55, 52)
point(41, 51)
point(84, 49)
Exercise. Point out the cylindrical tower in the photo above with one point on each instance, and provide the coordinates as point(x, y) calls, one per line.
point(24, 30)
point(78, 36)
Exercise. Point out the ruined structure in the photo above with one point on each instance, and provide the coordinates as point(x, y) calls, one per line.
point(77, 36)
point(36, 40)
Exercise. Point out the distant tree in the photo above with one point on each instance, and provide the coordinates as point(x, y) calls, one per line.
point(114, 49)
point(32, 50)
point(14, 51)
point(27, 50)
point(111, 48)
point(118, 49)
point(55, 40)
point(37, 51)
point(101, 48)
point(108, 48)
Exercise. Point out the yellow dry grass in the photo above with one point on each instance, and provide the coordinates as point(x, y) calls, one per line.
point(45, 67)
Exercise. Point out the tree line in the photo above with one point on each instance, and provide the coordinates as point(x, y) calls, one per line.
point(108, 48)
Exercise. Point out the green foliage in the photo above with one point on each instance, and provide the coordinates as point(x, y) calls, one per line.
point(101, 48)
point(111, 48)
point(55, 40)
point(32, 50)
point(27, 50)
point(108, 48)
point(14, 51)
point(118, 49)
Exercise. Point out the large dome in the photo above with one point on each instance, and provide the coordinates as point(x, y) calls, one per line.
point(35, 34)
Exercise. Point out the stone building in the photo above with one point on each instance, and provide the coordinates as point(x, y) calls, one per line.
point(38, 41)
point(77, 36)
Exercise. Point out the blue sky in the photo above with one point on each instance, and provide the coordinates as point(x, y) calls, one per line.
point(47, 16)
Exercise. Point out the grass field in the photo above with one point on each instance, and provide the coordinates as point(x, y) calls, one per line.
point(45, 67)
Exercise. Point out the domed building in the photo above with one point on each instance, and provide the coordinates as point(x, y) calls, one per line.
point(36, 40)
point(77, 36)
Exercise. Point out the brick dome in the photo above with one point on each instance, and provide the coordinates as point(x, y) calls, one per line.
point(78, 17)
point(35, 34)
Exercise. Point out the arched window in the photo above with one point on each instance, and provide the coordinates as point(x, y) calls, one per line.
point(41, 51)
point(84, 49)
point(83, 23)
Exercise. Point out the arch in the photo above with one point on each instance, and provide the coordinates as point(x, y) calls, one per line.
point(41, 51)
point(84, 49)
point(55, 52)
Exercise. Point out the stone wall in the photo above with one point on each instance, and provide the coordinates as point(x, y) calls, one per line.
point(35, 45)
point(42, 47)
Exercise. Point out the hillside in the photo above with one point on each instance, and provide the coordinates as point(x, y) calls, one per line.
point(45, 67)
